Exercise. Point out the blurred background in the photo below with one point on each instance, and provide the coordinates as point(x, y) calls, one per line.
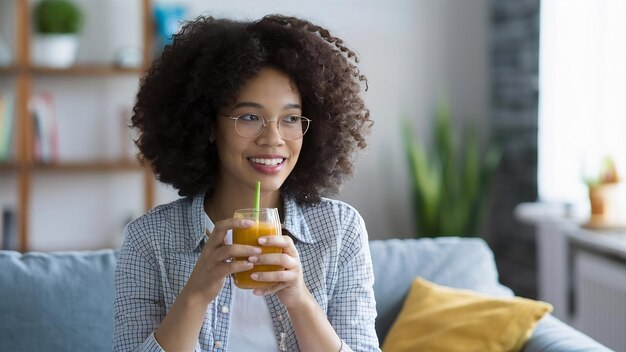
point(511, 110)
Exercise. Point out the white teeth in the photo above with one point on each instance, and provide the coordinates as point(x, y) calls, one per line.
point(267, 162)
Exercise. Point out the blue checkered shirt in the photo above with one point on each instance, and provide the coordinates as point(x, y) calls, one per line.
point(161, 248)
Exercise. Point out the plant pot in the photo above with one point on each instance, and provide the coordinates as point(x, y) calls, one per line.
point(608, 205)
point(55, 50)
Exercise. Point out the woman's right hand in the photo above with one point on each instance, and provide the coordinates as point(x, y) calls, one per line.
point(217, 261)
point(180, 328)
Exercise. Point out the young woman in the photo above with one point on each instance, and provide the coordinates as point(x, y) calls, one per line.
point(229, 104)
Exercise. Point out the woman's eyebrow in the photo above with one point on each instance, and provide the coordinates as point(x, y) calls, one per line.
point(249, 104)
point(292, 106)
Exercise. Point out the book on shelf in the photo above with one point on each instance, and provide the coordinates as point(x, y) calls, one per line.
point(45, 136)
point(7, 121)
point(9, 229)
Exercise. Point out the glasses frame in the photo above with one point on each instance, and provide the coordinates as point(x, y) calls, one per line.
point(266, 122)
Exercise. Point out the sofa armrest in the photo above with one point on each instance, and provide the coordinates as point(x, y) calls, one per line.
point(553, 335)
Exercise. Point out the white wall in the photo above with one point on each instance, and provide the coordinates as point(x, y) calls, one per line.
point(411, 51)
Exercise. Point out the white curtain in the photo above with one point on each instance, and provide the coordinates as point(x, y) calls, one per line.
point(582, 104)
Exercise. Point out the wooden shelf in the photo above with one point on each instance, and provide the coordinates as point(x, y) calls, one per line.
point(87, 70)
point(98, 166)
point(78, 167)
point(8, 166)
point(78, 70)
point(8, 70)
point(24, 73)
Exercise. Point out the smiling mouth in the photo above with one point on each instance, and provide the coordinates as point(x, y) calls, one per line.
point(267, 161)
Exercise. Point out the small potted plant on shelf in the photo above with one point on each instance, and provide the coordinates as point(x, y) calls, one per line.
point(56, 24)
point(607, 197)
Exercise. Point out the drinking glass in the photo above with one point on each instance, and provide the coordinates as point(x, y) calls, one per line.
point(266, 223)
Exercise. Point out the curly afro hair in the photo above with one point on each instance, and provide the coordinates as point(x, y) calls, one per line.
point(205, 68)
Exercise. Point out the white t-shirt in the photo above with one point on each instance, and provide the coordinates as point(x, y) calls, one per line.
point(251, 326)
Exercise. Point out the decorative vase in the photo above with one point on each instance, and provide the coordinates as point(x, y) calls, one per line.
point(608, 205)
point(55, 50)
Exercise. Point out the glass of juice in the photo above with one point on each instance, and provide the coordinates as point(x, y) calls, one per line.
point(266, 223)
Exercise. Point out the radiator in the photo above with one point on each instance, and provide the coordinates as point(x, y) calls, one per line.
point(600, 301)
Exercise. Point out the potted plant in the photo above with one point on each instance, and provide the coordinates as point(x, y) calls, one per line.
point(607, 197)
point(450, 180)
point(56, 24)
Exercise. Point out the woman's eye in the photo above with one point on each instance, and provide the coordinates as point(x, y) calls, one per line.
point(249, 117)
point(291, 119)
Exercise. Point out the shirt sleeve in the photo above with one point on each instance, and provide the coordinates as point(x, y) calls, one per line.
point(352, 307)
point(139, 305)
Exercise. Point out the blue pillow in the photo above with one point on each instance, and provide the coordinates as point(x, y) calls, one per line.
point(56, 302)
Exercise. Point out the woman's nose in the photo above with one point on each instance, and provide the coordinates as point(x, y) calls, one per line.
point(270, 134)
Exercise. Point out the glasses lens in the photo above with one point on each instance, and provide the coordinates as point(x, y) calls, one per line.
point(249, 125)
point(293, 126)
point(289, 127)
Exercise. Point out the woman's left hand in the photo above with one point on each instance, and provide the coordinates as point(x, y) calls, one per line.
point(289, 283)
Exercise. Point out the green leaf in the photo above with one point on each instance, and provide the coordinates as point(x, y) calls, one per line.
point(58, 17)
point(450, 182)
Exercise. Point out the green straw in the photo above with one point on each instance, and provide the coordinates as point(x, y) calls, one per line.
point(257, 200)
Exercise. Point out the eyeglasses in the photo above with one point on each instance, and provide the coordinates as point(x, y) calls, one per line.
point(290, 127)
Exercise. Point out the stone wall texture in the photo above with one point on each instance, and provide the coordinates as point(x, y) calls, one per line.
point(514, 55)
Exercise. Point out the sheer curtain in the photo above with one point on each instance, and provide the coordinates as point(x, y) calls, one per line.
point(582, 103)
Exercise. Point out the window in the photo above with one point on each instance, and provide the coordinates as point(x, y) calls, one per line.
point(582, 104)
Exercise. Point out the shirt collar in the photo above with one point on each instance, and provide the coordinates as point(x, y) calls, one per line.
point(295, 223)
point(199, 225)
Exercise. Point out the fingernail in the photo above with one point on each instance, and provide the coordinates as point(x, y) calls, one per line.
point(254, 276)
point(247, 223)
point(257, 250)
point(253, 259)
point(262, 240)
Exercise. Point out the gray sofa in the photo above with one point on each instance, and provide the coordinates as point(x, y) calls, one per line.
point(64, 301)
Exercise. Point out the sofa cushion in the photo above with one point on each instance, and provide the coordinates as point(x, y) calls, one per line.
point(439, 318)
point(35, 289)
point(455, 262)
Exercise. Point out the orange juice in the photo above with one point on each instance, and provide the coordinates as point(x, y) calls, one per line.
point(250, 236)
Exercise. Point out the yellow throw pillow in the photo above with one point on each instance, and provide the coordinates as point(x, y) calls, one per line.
point(437, 318)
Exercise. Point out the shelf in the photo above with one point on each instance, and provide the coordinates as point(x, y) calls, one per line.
point(21, 77)
point(8, 70)
point(8, 166)
point(102, 166)
point(79, 70)
point(607, 242)
point(87, 70)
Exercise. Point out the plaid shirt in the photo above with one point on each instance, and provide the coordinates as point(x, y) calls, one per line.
point(161, 248)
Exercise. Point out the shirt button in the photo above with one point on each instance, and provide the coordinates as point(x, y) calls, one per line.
point(280, 317)
point(218, 344)
point(225, 309)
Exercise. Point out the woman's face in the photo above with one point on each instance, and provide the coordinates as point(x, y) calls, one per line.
point(267, 158)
